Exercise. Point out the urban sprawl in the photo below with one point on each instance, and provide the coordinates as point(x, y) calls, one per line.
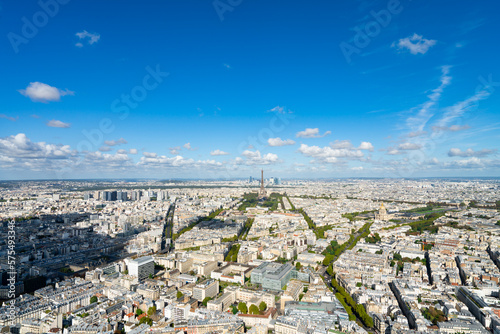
point(261, 255)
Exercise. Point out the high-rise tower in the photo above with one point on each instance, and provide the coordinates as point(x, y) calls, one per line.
point(262, 192)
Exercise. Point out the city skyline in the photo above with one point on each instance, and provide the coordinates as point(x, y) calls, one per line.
point(186, 90)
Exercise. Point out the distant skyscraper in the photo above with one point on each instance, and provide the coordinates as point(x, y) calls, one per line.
point(262, 192)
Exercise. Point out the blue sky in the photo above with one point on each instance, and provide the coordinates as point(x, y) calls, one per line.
point(203, 89)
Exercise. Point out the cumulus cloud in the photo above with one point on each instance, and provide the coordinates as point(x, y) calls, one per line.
point(393, 151)
point(346, 144)
point(473, 162)
point(107, 161)
point(152, 160)
point(115, 142)
point(58, 124)
point(329, 154)
point(91, 38)
point(40, 92)
point(342, 144)
point(187, 146)
point(133, 151)
point(456, 152)
point(256, 158)
point(415, 44)
point(279, 142)
point(218, 152)
point(366, 146)
point(20, 146)
point(311, 133)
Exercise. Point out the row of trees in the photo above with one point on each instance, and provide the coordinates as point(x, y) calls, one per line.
point(357, 309)
point(333, 251)
point(309, 221)
point(291, 204)
point(246, 228)
point(232, 256)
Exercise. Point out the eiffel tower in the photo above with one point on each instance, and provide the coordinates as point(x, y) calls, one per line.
point(262, 192)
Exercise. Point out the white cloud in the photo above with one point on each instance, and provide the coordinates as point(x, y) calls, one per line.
point(456, 152)
point(40, 92)
point(155, 161)
point(20, 146)
point(256, 158)
point(107, 161)
point(341, 144)
point(329, 154)
point(366, 146)
point(358, 168)
point(218, 152)
point(89, 37)
point(415, 44)
point(187, 146)
point(409, 146)
point(58, 124)
point(393, 151)
point(133, 151)
point(346, 144)
point(311, 133)
point(473, 162)
point(279, 142)
point(115, 142)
